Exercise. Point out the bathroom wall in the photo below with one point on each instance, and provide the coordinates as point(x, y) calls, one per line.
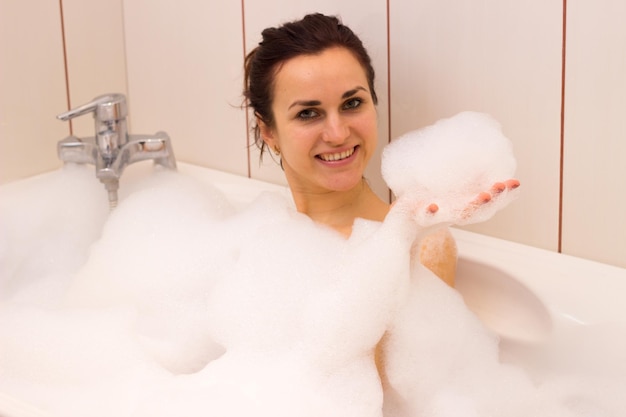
point(180, 65)
point(32, 87)
point(594, 168)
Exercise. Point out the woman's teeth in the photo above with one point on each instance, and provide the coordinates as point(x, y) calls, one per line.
point(329, 157)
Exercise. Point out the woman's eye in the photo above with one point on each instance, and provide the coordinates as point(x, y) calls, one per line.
point(307, 114)
point(353, 103)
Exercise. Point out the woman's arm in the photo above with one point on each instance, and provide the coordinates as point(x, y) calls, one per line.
point(438, 253)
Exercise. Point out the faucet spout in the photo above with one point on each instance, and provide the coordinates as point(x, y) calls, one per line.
point(111, 185)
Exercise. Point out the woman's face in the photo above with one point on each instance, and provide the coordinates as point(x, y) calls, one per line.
point(325, 121)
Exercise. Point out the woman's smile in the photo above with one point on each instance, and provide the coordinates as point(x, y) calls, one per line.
point(338, 156)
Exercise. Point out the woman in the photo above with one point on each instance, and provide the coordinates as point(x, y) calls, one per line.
point(311, 86)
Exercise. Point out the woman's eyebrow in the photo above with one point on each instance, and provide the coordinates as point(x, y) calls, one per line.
point(352, 92)
point(305, 103)
point(312, 103)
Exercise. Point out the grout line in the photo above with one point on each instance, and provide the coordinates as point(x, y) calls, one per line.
point(562, 128)
point(247, 123)
point(390, 194)
point(129, 119)
point(67, 76)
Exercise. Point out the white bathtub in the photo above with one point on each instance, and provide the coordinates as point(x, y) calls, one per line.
point(540, 303)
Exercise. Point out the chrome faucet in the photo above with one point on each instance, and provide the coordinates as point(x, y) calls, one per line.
point(112, 149)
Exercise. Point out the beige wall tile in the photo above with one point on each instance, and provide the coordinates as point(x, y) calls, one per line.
point(94, 40)
point(32, 86)
point(502, 58)
point(594, 198)
point(184, 77)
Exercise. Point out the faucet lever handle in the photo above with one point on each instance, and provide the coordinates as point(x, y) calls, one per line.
point(106, 107)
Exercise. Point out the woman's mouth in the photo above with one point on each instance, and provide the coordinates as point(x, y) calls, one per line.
point(337, 156)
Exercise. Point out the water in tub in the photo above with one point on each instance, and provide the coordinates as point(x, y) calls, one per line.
point(180, 303)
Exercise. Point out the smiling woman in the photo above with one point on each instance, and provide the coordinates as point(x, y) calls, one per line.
point(324, 127)
point(311, 86)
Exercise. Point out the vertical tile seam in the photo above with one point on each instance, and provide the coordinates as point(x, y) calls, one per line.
point(562, 126)
point(65, 65)
point(390, 194)
point(126, 73)
point(247, 114)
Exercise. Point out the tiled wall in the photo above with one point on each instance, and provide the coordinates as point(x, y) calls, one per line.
point(180, 61)
point(594, 170)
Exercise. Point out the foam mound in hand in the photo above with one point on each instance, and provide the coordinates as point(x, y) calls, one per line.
point(450, 163)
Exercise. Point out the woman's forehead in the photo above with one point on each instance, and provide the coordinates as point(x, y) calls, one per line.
point(334, 71)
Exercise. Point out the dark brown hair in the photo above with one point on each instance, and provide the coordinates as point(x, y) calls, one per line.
point(309, 36)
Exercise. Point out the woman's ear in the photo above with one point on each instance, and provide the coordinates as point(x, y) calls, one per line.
point(266, 133)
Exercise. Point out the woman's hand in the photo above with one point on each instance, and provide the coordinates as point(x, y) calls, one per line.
point(486, 197)
point(451, 172)
point(483, 206)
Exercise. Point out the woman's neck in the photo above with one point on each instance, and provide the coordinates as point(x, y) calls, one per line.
point(339, 209)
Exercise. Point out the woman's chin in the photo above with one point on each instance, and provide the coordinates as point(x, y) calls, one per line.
point(344, 184)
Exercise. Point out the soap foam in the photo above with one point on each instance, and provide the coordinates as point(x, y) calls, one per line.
point(179, 304)
point(449, 163)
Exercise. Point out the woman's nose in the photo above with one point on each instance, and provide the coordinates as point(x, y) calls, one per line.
point(336, 129)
